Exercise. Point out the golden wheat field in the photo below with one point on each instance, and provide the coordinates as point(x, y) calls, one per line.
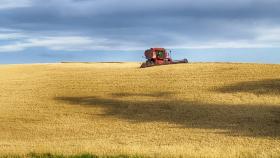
point(184, 110)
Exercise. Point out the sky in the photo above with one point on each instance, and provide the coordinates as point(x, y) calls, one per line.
point(45, 31)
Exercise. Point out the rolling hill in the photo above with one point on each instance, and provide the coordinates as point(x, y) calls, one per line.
point(196, 110)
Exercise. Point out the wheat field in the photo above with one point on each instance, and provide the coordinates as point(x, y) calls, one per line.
point(184, 110)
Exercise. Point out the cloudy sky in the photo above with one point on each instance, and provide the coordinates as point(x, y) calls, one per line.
point(34, 31)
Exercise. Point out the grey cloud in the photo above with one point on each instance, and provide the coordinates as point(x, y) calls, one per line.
point(147, 22)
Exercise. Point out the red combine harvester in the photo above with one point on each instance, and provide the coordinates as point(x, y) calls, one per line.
point(159, 56)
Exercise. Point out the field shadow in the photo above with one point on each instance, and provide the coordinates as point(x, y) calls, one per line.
point(263, 87)
point(158, 94)
point(234, 120)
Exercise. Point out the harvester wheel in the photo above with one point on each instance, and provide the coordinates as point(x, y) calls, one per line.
point(166, 62)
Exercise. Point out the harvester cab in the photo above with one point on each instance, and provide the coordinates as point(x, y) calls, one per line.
point(159, 56)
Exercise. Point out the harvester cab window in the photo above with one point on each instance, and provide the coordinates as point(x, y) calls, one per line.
point(160, 54)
